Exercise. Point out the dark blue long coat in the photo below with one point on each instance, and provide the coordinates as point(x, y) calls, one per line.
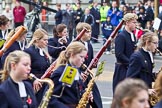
point(90, 55)
point(71, 95)
point(10, 98)
point(96, 94)
point(39, 64)
point(58, 17)
point(89, 19)
point(141, 66)
point(124, 47)
point(96, 26)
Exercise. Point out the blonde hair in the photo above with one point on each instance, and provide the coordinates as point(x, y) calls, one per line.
point(146, 37)
point(73, 48)
point(12, 32)
point(38, 34)
point(80, 26)
point(13, 57)
point(130, 16)
point(127, 88)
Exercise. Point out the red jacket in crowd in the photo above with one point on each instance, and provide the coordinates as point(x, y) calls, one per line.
point(19, 14)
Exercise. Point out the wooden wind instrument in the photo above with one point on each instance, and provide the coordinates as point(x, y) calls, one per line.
point(157, 50)
point(144, 30)
point(85, 97)
point(21, 30)
point(101, 51)
point(49, 71)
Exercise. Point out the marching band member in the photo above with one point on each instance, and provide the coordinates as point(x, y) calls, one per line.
point(40, 60)
point(4, 26)
point(85, 39)
point(14, 91)
point(19, 44)
point(124, 46)
point(141, 62)
point(74, 55)
point(131, 93)
point(59, 41)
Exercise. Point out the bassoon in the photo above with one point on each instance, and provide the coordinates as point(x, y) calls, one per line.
point(49, 71)
point(104, 47)
point(12, 39)
point(85, 97)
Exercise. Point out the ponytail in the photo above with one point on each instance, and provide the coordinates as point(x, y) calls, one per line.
point(62, 59)
point(5, 72)
point(54, 32)
point(4, 75)
point(73, 48)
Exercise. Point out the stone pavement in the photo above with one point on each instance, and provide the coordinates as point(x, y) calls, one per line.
point(104, 81)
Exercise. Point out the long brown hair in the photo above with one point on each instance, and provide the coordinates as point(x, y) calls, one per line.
point(73, 48)
point(13, 57)
point(58, 29)
point(3, 20)
point(128, 88)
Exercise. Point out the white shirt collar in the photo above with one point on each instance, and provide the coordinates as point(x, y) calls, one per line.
point(86, 45)
point(22, 90)
point(132, 37)
point(151, 55)
point(41, 52)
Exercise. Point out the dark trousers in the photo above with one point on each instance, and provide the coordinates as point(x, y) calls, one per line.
point(18, 24)
point(109, 46)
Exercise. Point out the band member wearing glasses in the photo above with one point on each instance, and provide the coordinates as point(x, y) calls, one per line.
point(14, 91)
point(141, 62)
point(125, 44)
